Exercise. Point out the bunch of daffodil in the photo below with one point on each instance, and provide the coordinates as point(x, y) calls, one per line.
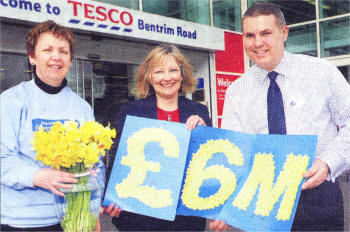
point(75, 149)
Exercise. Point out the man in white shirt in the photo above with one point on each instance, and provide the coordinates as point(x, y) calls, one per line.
point(316, 100)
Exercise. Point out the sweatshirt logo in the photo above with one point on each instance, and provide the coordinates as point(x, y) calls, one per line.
point(46, 123)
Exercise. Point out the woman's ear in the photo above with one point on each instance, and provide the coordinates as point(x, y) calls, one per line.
point(31, 60)
point(182, 69)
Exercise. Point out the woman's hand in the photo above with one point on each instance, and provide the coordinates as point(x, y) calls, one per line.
point(53, 179)
point(218, 225)
point(112, 210)
point(193, 121)
point(98, 224)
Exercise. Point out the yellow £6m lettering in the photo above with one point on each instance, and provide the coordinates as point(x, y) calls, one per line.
point(132, 185)
point(263, 174)
point(197, 173)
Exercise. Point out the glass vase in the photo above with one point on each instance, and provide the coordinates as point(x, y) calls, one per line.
point(78, 210)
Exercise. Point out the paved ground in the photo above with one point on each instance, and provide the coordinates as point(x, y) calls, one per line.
point(106, 221)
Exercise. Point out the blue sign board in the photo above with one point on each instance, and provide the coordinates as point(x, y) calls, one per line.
point(252, 182)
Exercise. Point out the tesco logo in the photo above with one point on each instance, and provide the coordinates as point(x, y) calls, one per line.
point(101, 13)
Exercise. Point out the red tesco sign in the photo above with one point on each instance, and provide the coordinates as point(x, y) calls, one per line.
point(101, 13)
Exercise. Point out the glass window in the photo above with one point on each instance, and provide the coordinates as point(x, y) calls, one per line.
point(71, 77)
point(302, 39)
point(14, 69)
point(79, 78)
point(335, 37)
point(189, 10)
point(131, 4)
point(112, 88)
point(227, 14)
point(295, 11)
point(330, 8)
point(105, 85)
point(86, 78)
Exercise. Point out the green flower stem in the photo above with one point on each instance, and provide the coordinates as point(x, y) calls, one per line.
point(78, 216)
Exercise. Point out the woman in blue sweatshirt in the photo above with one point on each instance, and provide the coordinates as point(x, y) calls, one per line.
point(27, 186)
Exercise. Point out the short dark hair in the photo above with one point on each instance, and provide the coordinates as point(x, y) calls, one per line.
point(49, 26)
point(265, 8)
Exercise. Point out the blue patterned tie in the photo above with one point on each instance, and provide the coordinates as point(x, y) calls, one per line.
point(275, 110)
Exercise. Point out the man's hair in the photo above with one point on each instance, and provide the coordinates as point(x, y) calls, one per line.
point(265, 8)
point(56, 30)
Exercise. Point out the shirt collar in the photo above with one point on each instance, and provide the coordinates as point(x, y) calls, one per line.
point(283, 68)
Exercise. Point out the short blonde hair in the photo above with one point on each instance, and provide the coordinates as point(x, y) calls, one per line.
point(144, 72)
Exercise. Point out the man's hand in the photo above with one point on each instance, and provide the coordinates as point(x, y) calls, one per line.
point(316, 175)
point(53, 179)
point(218, 225)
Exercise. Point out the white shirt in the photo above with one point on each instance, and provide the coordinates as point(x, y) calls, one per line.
point(316, 100)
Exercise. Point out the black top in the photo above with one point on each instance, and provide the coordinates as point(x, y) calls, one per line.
point(48, 88)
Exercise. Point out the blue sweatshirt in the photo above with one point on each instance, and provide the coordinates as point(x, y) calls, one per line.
point(23, 108)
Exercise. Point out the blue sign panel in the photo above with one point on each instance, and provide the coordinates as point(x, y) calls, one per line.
point(252, 182)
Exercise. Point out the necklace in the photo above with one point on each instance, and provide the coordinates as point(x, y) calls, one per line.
point(169, 116)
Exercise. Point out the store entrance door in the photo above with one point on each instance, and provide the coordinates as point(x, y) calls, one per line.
point(105, 85)
point(112, 87)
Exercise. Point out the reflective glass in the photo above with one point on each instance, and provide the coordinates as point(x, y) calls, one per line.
point(189, 10)
point(302, 39)
point(71, 77)
point(111, 88)
point(14, 69)
point(335, 37)
point(86, 69)
point(330, 8)
point(79, 78)
point(295, 11)
point(131, 4)
point(75, 77)
point(227, 14)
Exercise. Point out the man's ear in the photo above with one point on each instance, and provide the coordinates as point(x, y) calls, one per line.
point(285, 31)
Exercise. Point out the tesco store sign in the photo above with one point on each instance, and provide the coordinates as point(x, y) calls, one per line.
point(101, 13)
point(106, 18)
